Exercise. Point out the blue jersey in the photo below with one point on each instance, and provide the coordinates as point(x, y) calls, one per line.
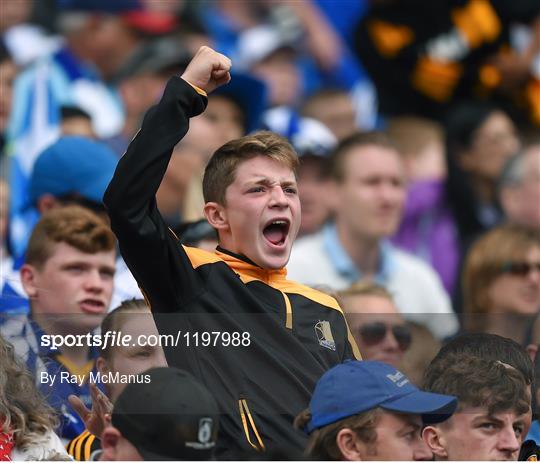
point(534, 432)
point(13, 299)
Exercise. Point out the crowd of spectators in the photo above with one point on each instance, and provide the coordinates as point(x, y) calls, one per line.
point(417, 130)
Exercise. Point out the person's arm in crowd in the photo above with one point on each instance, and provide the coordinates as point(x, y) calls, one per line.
point(323, 42)
point(99, 417)
point(515, 67)
point(150, 249)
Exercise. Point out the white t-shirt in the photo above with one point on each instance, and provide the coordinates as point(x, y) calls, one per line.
point(44, 448)
point(417, 290)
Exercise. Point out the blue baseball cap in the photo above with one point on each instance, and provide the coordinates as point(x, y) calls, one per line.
point(250, 94)
point(355, 387)
point(73, 165)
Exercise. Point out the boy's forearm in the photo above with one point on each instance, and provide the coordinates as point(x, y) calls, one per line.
point(145, 242)
point(141, 169)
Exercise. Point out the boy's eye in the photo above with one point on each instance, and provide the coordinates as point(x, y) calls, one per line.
point(372, 181)
point(290, 190)
point(488, 426)
point(142, 353)
point(75, 269)
point(256, 189)
point(410, 435)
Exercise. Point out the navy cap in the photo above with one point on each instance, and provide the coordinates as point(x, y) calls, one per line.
point(169, 415)
point(73, 165)
point(155, 56)
point(250, 93)
point(355, 387)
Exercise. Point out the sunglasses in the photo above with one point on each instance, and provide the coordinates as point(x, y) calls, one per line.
point(520, 268)
point(374, 333)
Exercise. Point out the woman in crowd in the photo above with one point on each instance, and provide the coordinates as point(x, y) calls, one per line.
point(480, 138)
point(501, 282)
point(26, 421)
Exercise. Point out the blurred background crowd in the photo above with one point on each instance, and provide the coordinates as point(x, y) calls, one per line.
point(417, 124)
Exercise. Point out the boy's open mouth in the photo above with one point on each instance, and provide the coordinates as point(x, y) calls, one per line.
point(92, 306)
point(276, 231)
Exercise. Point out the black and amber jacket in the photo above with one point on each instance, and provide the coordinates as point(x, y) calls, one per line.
point(81, 447)
point(295, 333)
point(424, 55)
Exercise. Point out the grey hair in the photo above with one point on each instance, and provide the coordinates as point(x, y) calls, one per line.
point(512, 172)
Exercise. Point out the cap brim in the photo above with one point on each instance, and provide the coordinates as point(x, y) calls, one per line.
point(434, 408)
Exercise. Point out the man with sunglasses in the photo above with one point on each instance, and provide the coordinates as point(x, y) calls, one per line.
point(378, 328)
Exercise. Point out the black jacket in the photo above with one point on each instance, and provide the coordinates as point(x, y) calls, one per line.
point(424, 55)
point(529, 451)
point(295, 333)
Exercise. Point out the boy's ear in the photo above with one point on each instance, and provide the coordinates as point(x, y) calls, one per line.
point(216, 216)
point(28, 279)
point(349, 445)
point(46, 202)
point(435, 441)
point(532, 350)
point(109, 441)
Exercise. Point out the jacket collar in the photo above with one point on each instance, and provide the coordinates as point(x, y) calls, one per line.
point(245, 266)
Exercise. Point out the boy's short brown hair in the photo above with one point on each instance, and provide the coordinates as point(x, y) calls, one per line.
point(478, 382)
point(73, 225)
point(221, 169)
point(115, 320)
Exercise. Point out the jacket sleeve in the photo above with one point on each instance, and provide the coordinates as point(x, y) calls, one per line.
point(81, 447)
point(351, 351)
point(151, 251)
